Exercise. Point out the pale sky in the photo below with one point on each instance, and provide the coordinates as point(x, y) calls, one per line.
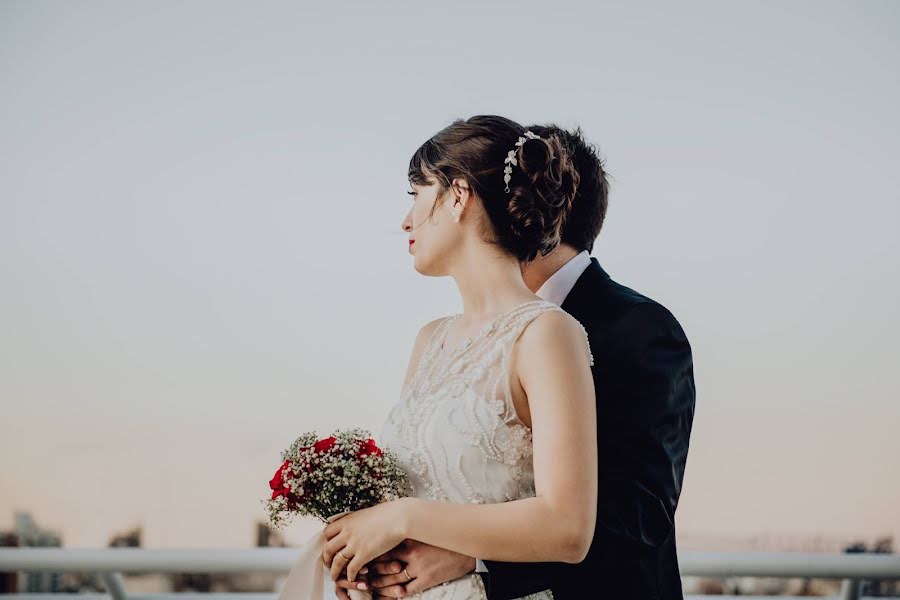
point(201, 254)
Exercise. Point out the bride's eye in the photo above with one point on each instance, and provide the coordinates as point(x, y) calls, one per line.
point(411, 193)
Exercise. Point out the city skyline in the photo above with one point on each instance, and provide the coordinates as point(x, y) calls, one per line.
point(134, 535)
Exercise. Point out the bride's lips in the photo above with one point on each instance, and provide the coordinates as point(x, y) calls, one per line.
point(411, 242)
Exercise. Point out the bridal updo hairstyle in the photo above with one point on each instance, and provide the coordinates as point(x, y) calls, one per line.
point(528, 219)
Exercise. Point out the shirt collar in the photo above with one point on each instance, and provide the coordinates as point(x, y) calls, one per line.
point(558, 286)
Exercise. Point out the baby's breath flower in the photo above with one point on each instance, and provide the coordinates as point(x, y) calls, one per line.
point(344, 472)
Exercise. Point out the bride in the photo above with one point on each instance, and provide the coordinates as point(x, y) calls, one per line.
point(496, 421)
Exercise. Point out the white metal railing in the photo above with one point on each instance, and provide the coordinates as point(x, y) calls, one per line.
point(111, 562)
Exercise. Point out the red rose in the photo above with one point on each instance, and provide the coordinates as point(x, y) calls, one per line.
point(277, 482)
point(280, 488)
point(324, 445)
point(368, 447)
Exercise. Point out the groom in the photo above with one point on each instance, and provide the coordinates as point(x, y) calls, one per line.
point(644, 384)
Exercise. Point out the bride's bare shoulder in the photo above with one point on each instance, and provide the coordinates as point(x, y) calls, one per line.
point(558, 331)
point(422, 338)
point(427, 330)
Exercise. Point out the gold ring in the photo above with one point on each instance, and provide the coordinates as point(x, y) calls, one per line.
point(344, 557)
point(408, 577)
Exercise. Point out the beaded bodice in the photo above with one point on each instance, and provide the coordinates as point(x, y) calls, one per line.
point(454, 428)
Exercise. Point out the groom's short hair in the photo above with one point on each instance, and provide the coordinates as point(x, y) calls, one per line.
point(585, 219)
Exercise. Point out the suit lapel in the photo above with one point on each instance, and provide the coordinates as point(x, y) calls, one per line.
point(583, 295)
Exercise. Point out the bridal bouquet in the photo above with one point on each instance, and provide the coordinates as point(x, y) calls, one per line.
point(326, 479)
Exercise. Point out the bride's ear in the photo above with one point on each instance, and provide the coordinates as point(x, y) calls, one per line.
point(462, 195)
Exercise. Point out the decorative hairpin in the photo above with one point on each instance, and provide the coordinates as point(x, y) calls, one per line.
point(511, 160)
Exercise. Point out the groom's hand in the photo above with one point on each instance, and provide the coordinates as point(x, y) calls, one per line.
point(427, 565)
point(343, 584)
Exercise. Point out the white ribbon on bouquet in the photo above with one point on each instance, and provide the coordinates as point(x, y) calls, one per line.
point(306, 580)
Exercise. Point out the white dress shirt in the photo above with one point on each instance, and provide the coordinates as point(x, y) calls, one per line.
point(555, 290)
point(561, 283)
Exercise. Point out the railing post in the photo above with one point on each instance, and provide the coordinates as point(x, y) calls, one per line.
point(115, 585)
point(850, 589)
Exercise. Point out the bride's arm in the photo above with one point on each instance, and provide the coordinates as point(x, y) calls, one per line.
point(557, 524)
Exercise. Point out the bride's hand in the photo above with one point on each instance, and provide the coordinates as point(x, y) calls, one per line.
point(363, 535)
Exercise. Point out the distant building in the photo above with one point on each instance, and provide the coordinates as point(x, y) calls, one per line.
point(9, 582)
point(266, 537)
point(876, 587)
point(127, 539)
point(30, 535)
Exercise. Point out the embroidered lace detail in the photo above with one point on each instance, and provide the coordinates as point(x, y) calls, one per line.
point(455, 428)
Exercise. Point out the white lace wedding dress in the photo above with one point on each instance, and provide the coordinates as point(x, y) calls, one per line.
point(456, 432)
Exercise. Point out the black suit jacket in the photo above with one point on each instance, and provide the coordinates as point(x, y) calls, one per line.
point(644, 384)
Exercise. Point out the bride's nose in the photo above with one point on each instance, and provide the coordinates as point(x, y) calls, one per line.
point(406, 225)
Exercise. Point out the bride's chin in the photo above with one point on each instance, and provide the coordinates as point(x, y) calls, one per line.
point(427, 268)
point(419, 266)
point(423, 271)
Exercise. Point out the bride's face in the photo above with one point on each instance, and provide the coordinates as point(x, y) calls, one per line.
point(433, 234)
